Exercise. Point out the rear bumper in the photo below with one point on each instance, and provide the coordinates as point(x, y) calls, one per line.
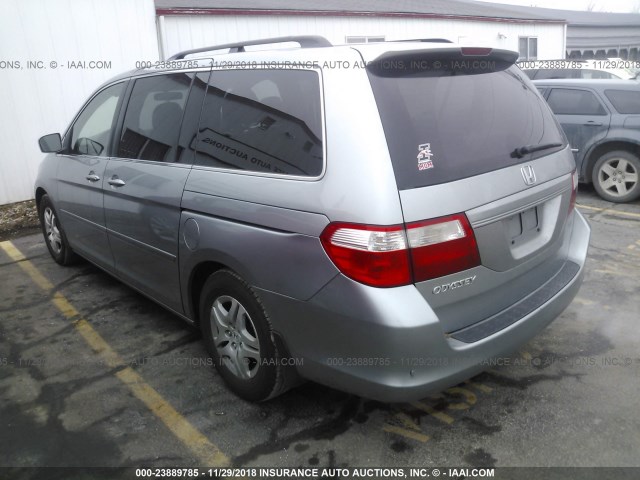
point(388, 344)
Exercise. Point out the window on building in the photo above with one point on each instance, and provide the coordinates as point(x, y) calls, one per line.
point(365, 39)
point(528, 47)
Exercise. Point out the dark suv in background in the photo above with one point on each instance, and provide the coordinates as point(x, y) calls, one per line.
point(601, 119)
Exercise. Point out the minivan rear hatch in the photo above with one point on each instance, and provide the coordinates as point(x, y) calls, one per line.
point(472, 141)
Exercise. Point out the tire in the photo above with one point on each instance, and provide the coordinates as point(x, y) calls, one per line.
point(237, 334)
point(54, 235)
point(616, 176)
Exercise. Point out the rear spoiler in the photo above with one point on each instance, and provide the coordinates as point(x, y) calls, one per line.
point(439, 62)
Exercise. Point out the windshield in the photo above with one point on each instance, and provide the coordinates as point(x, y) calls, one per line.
point(449, 126)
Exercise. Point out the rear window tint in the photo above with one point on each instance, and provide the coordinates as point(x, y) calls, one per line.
point(153, 117)
point(441, 128)
point(565, 101)
point(265, 121)
point(624, 101)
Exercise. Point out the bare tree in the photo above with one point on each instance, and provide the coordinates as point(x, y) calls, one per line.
point(591, 7)
point(636, 7)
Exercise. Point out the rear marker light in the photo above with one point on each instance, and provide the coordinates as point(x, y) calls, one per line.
point(399, 255)
point(574, 190)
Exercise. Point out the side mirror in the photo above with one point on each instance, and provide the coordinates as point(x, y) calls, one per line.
point(50, 143)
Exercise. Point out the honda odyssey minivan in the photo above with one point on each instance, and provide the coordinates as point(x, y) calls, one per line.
point(379, 218)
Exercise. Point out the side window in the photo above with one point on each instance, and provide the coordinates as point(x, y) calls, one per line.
point(91, 133)
point(564, 101)
point(625, 101)
point(262, 121)
point(153, 117)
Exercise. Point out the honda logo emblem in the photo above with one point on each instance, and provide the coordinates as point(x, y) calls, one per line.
point(528, 174)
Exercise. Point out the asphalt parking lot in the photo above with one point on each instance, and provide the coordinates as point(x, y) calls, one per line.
point(93, 374)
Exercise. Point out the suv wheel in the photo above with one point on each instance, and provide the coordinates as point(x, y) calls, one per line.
point(238, 335)
point(615, 176)
point(54, 236)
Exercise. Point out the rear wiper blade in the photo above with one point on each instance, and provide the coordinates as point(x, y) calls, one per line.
point(522, 151)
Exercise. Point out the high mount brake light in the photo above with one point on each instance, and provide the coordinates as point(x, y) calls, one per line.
point(391, 256)
point(476, 51)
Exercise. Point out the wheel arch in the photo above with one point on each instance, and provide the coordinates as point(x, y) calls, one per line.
point(199, 275)
point(40, 192)
point(605, 147)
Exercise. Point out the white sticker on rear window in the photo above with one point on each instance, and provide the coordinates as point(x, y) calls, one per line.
point(425, 156)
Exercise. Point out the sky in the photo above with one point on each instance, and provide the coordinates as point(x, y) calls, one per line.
point(623, 6)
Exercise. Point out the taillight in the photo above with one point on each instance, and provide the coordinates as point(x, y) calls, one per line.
point(441, 247)
point(574, 190)
point(375, 256)
point(394, 256)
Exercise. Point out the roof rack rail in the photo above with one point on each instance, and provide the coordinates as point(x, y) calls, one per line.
point(305, 41)
point(429, 40)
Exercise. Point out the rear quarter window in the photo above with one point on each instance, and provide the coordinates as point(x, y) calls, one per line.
point(573, 101)
point(266, 121)
point(624, 101)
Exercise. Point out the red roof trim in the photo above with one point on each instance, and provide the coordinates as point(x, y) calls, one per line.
point(339, 13)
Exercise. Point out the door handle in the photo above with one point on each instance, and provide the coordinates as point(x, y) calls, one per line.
point(116, 182)
point(591, 123)
point(92, 177)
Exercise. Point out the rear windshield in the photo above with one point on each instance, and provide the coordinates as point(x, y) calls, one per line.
point(454, 124)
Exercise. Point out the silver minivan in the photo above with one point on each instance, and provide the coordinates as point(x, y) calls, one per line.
point(379, 218)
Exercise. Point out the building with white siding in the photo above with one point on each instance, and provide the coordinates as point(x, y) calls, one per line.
point(185, 24)
point(54, 53)
point(594, 34)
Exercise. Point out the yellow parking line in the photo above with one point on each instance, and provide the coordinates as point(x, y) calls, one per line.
point(207, 452)
point(609, 210)
point(17, 256)
point(470, 398)
point(407, 421)
point(583, 301)
point(443, 417)
point(421, 437)
point(480, 386)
